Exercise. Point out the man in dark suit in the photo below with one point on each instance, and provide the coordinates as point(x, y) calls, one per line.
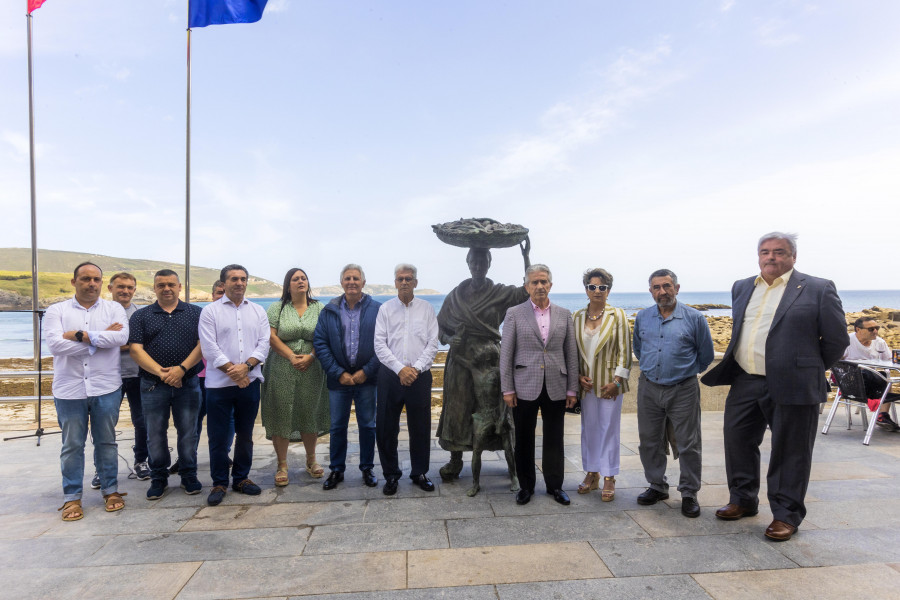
point(788, 328)
point(539, 370)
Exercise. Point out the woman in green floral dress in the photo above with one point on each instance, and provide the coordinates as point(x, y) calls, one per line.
point(294, 398)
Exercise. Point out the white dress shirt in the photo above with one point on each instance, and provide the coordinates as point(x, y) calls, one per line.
point(406, 335)
point(750, 352)
point(80, 370)
point(235, 334)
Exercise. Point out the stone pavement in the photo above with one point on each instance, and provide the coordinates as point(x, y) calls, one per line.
point(354, 542)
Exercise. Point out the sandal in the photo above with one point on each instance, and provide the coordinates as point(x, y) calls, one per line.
point(114, 501)
point(314, 469)
point(591, 482)
point(71, 510)
point(281, 475)
point(607, 495)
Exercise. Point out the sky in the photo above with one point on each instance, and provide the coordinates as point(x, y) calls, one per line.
point(626, 135)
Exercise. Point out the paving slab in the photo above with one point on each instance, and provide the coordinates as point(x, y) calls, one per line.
point(468, 592)
point(671, 523)
point(857, 581)
point(833, 547)
point(286, 576)
point(504, 564)
point(160, 581)
point(26, 525)
point(201, 545)
point(690, 554)
point(373, 537)
point(852, 515)
point(428, 509)
point(574, 527)
point(666, 587)
point(125, 521)
point(49, 551)
point(276, 515)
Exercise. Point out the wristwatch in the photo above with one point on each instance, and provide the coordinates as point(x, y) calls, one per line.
point(249, 366)
point(79, 335)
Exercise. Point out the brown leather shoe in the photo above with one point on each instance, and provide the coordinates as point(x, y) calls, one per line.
point(780, 531)
point(733, 512)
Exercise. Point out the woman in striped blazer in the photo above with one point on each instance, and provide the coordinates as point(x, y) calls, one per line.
point(604, 356)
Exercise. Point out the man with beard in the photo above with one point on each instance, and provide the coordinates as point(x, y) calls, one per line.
point(673, 344)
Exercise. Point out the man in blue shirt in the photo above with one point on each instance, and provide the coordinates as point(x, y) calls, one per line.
point(673, 344)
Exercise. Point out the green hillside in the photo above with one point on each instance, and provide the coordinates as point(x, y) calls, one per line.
point(55, 268)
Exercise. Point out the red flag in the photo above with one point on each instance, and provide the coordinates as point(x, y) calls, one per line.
point(34, 5)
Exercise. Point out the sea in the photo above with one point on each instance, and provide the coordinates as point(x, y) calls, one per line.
point(16, 338)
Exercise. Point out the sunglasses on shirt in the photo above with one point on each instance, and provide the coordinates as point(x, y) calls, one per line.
point(594, 287)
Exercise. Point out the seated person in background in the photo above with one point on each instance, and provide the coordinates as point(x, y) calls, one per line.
point(866, 345)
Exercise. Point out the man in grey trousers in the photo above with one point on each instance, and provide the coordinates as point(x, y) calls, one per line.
point(673, 344)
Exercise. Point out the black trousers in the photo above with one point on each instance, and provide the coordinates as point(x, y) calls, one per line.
point(553, 415)
point(748, 409)
point(391, 398)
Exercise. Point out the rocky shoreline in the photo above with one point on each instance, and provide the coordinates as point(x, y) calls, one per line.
point(720, 328)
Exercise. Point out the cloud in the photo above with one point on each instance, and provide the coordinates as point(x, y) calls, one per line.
point(567, 126)
point(277, 6)
point(19, 144)
point(772, 32)
point(113, 71)
point(726, 5)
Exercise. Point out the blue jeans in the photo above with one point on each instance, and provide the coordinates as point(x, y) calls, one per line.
point(131, 387)
point(73, 416)
point(159, 399)
point(223, 405)
point(340, 402)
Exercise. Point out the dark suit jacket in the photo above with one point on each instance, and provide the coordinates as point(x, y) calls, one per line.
point(808, 335)
point(526, 364)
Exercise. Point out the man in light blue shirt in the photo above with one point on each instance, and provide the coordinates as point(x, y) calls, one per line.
point(673, 344)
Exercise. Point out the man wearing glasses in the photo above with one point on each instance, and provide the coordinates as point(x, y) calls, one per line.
point(866, 345)
point(673, 344)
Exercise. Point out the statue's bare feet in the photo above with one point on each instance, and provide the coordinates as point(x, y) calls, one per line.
point(473, 490)
point(514, 486)
point(448, 472)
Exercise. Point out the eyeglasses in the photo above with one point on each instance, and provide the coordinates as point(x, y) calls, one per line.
point(872, 329)
point(594, 287)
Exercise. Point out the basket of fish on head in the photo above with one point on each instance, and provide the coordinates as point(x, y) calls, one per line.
point(480, 233)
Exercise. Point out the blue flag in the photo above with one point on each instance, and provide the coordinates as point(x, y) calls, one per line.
point(224, 12)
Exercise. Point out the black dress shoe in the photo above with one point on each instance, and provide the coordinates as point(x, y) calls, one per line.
point(369, 478)
point(690, 508)
point(560, 496)
point(390, 487)
point(423, 482)
point(334, 478)
point(651, 496)
point(524, 496)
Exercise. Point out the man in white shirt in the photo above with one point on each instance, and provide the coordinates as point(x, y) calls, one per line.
point(406, 341)
point(234, 337)
point(866, 345)
point(84, 335)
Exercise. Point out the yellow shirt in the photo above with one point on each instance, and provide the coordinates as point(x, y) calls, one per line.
point(750, 351)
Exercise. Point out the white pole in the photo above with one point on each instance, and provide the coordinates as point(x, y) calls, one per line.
point(36, 329)
point(187, 183)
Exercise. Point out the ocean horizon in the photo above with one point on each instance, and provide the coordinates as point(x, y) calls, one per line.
point(16, 340)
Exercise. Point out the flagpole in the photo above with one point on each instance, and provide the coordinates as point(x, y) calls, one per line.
point(35, 315)
point(187, 183)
